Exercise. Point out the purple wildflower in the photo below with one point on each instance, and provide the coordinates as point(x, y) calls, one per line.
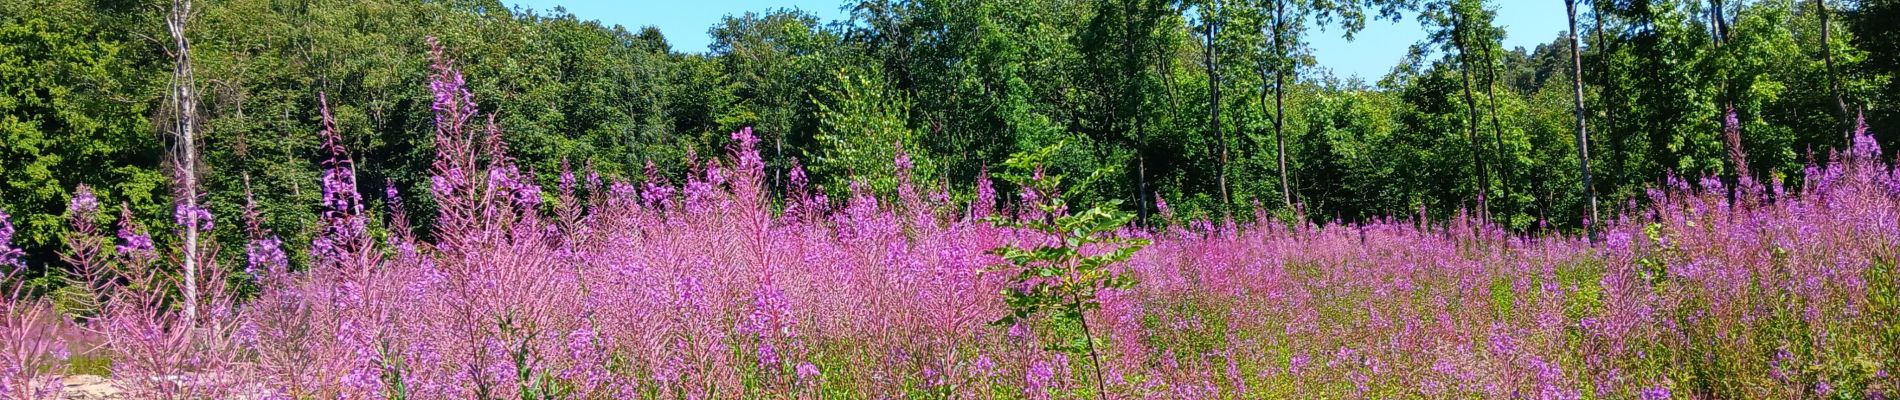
point(903, 158)
point(1041, 378)
point(186, 215)
point(1732, 135)
point(133, 241)
point(264, 257)
point(1654, 393)
point(9, 255)
point(83, 204)
point(807, 372)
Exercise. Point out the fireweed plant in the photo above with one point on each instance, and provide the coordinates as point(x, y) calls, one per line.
point(35, 348)
point(705, 287)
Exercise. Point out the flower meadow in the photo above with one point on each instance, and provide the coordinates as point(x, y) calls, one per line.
point(711, 288)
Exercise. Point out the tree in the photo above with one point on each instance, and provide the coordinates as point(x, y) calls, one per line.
point(987, 78)
point(1583, 135)
point(1063, 275)
point(1280, 70)
point(1666, 99)
point(1210, 27)
point(1123, 47)
point(184, 100)
point(862, 130)
point(76, 92)
point(1283, 22)
point(1454, 29)
point(1873, 32)
point(1490, 37)
point(774, 60)
point(1833, 83)
point(1606, 75)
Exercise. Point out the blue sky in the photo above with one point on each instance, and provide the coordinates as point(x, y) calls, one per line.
point(1373, 52)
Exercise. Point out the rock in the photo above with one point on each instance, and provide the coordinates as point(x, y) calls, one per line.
point(90, 387)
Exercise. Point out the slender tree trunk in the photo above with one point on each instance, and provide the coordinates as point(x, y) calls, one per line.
point(1718, 27)
point(1095, 357)
point(1141, 170)
point(1267, 66)
point(1504, 164)
point(1209, 54)
point(1583, 134)
point(1134, 63)
point(1166, 70)
point(185, 154)
point(1281, 64)
point(1833, 84)
point(778, 156)
point(1471, 120)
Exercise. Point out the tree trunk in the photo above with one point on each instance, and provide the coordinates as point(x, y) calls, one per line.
point(1718, 30)
point(1497, 129)
point(1718, 27)
point(1279, 97)
point(1471, 120)
point(1583, 135)
point(1833, 84)
point(1212, 14)
point(778, 156)
point(1141, 170)
point(1134, 63)
point(185, 153)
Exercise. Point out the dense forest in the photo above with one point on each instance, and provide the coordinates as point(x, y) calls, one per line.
point(1216, 107)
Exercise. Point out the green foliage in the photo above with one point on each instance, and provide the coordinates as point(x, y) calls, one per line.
point(1873, 31)
point(863, 125)
point(778, 64)
point(75, 96)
